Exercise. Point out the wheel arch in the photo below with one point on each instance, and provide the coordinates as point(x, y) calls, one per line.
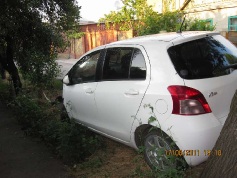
point(141, 131)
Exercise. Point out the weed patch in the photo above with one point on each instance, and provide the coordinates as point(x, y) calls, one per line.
point(72, 142)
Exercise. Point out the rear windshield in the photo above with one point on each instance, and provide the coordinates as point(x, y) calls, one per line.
point(203, 58)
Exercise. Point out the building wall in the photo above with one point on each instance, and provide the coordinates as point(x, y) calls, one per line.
point(157, 5)
point(217, 10)
point(165, 5)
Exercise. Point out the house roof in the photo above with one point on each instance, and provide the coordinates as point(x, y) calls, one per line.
point(84, 21)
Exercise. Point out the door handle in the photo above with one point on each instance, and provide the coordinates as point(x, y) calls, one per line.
point(89, 91)
point(132, 92)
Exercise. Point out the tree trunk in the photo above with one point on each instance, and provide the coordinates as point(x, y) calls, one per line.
point(2, 71)
point(223, 163)
point(9, 65)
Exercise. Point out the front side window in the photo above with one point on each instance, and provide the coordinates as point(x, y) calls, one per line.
point(84, 70)
point(203, 58)
point(124, 64)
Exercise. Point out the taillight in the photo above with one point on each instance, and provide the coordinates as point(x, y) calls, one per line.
point(188, 101)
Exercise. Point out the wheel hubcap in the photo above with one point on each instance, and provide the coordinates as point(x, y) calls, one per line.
point(155, 150)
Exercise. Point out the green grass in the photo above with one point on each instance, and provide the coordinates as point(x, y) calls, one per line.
point(58, 84)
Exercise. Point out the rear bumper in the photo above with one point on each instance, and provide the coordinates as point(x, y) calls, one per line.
point(195, 136)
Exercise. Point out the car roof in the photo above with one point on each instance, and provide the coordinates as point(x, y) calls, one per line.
point(167, 37)
point(172, 38)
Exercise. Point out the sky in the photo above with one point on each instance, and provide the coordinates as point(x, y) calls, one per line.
point(95, 9)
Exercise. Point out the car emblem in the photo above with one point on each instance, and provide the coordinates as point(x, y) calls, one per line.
point(212, 94)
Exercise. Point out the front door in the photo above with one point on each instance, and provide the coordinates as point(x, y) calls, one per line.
point(79, 95)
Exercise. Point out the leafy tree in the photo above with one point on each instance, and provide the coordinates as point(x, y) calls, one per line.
point(31, 34)
point(139, 16)
point(197, 24)
point(131, 16)
point(167, 21)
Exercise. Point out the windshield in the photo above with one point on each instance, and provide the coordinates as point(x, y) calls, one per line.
point(203, 58)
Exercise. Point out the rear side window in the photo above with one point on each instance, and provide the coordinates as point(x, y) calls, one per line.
point(138, 66)
point(117, 63)
point(203, 58)
point(124, 64)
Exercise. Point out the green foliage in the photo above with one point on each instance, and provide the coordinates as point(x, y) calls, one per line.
point(93, 163)
point(199, 25)
point(131, 16)
point(151, 119)
point(169, 173)
point(29, 114)
point(139, 16)
point(42, 69)
point(31, 34)
point(168, 22)
point(77, 142)
point(74, 34)
point(71, 141)
point(175, 164)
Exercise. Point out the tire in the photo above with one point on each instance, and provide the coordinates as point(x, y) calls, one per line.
point(157, 145)
point(63, 115)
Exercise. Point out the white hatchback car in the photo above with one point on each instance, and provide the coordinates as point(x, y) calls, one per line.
point(187, 80)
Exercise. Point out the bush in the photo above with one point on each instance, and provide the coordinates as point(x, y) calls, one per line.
point(77, 142)
point(29, 114)
point(71, 141)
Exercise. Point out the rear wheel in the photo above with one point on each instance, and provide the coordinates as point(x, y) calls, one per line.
point(158, 147)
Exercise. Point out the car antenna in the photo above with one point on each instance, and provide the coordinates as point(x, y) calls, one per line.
point(180, 30)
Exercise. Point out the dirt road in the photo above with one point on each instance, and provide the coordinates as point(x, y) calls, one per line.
point(21, 157)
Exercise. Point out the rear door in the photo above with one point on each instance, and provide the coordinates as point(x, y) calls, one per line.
point(201, 63)
point(122, 87)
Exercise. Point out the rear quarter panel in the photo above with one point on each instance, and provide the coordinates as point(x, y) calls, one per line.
point(157, 101)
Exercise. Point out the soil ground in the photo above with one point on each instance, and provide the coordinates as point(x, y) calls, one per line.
point(119, 161)
point(22, 157)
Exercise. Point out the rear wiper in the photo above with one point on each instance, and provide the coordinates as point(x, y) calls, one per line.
point(233, 66)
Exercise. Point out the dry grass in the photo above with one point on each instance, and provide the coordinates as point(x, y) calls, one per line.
point(119, 161)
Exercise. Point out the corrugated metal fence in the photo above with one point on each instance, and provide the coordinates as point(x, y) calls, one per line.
point(92, 38)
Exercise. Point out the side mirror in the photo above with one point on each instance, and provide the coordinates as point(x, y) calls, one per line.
point(66, 80)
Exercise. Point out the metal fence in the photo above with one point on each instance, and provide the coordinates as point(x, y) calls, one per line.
point(92, 39)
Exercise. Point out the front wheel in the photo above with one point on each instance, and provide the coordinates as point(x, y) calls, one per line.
point(158, 146)
point(64, 115)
